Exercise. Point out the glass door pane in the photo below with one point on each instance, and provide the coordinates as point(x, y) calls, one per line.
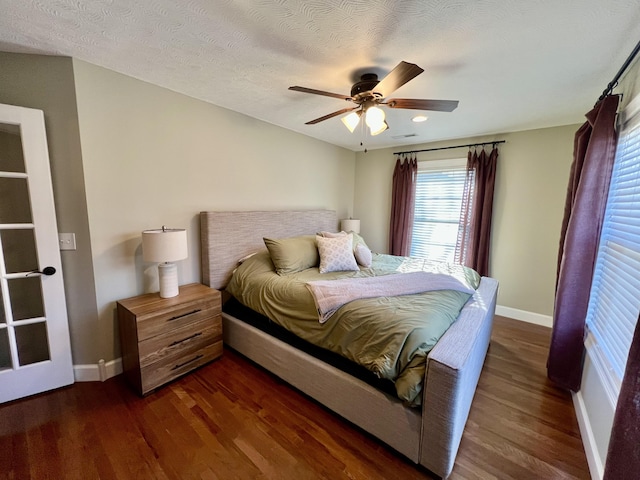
point(32, 343)
point(19, 248)
point(25, 296)
point(5, 352)
point(11, 157)
point(14, 200)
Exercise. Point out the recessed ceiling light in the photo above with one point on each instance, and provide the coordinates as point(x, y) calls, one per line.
point(419, 118)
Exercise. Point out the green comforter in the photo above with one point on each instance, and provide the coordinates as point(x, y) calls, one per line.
point(391, 336)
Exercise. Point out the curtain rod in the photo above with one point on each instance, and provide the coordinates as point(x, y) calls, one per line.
point(447, 148)
point(614, 83)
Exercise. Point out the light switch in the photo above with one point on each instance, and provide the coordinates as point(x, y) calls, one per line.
point(67, 241)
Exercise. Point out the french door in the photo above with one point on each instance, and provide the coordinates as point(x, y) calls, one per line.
point(35, 352)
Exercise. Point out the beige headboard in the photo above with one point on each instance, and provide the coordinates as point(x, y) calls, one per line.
point(226, 237)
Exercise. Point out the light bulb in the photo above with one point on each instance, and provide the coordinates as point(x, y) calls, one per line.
point(382, 128)
point(351, 121)
point(374, 118)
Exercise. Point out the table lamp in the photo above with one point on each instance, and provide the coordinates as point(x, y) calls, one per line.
point(350, 225)
point(165, 245)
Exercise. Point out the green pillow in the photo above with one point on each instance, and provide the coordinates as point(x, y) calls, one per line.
point(358, 240)
point(290, 255)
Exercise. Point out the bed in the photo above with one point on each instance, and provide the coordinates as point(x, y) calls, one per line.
point(429, 435)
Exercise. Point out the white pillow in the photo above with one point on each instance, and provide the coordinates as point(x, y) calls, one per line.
point(336, 254)
point(363, 255)
point(361, 251)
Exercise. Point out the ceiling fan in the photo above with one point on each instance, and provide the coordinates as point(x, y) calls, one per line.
point(370, 92)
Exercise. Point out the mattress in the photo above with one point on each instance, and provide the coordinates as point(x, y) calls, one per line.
point(241, 312)
point(388, 336)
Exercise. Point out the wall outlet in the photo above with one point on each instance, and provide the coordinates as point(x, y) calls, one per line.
point(67, 241)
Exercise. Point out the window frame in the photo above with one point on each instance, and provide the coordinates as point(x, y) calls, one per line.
point(458, 164)
point(608, 368)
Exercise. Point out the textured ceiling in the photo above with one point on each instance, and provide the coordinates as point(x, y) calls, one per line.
point(512, 64)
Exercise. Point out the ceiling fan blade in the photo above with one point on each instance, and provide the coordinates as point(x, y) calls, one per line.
point(397, 77)
point(419, 104)
point(331, 115)
point(320, 92)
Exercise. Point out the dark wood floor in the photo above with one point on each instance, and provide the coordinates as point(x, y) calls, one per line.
point(232, 420)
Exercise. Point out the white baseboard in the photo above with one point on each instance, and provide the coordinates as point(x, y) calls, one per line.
point(596, 468)
point(524, 316)
point(97, 372)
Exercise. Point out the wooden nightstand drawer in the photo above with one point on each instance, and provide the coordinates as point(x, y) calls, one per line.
point(176, 341)
point(173, 366)
point(175, 318)
point(164, 338)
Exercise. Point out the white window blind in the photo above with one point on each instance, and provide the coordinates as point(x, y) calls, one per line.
point(615, 291)
point(439, 190)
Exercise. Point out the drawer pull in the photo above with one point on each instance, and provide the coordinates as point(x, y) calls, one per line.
point(184, 315)
point(197, 357)
point(177, 342)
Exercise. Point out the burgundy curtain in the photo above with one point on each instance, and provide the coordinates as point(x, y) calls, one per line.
point(403, 195)
point(594, 152)
point(623, 457)
point(474, 235)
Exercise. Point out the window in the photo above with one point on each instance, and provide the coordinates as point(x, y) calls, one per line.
point(614, 301)
point(439, 190)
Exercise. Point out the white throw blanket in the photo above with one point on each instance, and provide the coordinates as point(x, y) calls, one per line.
point(330, 295)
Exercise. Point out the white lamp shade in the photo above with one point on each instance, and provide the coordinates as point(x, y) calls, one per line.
point(351, 121)
point(350, 225)
point(164, 245)
point(374, 117)
point(381, 129)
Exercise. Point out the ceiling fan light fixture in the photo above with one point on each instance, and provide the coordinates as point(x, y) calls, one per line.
point(370, 92)
point(374, 118)
point(351, 121)
point(382, 128)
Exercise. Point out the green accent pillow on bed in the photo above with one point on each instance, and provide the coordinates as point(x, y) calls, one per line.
point(294, 254)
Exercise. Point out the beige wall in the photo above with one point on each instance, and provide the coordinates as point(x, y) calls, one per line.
point(153, 157)
point(46, 83)
point(531, 182)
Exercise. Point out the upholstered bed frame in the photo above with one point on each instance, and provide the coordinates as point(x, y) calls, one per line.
point(429, 436)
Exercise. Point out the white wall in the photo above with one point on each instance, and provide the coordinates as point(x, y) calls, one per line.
point(153, 157)
point(531, 183)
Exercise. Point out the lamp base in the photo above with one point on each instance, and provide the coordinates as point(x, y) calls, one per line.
point(168, 279)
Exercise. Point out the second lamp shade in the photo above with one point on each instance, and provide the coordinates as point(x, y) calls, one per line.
point(164, 245)
point(350, 225)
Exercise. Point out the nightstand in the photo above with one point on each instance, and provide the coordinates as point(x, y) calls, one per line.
point(165, 338)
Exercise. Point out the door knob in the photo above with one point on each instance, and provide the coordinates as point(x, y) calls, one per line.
point(45, 271)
